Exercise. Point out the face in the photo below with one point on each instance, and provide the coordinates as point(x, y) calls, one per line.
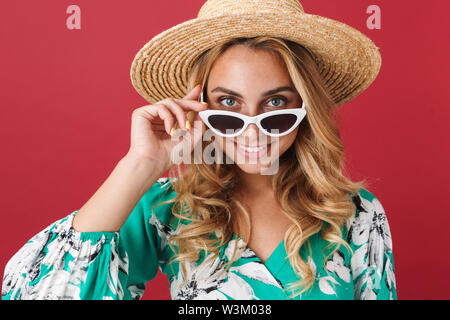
point(239, 81)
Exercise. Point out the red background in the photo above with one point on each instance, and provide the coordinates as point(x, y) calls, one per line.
point(66, 103)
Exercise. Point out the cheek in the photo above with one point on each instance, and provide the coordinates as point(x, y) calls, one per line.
point(227, 145)
point(222, 143)
point(285, 142)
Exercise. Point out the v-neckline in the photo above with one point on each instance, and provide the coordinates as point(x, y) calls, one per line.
point(275, 260)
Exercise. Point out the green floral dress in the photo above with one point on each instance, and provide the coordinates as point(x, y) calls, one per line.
point(61, 263)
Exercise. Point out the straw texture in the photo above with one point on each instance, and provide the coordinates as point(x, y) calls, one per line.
point(347, 59)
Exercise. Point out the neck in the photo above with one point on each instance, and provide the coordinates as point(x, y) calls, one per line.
point(255, 184)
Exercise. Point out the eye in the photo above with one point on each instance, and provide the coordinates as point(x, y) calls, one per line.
point(228, 102)
point(278, 101)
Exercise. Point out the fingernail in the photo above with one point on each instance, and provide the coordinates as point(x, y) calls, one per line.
point(202, 102)
point(172, 132)
point(188, 125)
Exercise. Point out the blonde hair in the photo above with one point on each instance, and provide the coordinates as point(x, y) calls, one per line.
point(310, 185)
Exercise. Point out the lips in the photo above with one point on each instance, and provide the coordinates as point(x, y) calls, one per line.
point(251, 149)
point(252, 152)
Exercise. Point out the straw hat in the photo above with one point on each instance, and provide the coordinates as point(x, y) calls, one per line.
point(347, 59)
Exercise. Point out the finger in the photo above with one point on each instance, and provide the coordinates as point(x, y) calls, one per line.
point(158, 114)
point(194, 93)
point(198, 130)
point(189, 105)
point(159, 127)
point(178, 112)
point(167, 116)
point(191, 138)
point(150, 112)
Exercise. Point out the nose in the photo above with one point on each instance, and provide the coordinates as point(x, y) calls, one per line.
point(250, 135)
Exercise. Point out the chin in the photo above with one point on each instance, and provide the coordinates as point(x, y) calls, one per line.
point(265, 162)
point(257, 169)
point(260, 159)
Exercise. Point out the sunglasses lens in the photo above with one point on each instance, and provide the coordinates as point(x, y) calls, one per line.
point(280, 122)
point(222, 123)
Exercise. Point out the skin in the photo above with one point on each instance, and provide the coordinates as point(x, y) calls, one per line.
point(251, 73)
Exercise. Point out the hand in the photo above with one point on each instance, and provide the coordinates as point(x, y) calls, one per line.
point(151, 128)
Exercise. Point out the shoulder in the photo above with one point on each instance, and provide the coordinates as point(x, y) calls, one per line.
point(154, 208)
point(161, 189)
point(157, 201)
point(369, 236)
point(369, 221)
point(369, 233)
point(151, 221)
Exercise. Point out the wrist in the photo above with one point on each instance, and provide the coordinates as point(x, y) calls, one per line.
point(146, 166)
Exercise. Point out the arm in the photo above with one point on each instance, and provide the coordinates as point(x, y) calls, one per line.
point(110, 206)
point(80, 256)
point(61, 263)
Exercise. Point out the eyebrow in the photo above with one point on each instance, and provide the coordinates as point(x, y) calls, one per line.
point(265, 94)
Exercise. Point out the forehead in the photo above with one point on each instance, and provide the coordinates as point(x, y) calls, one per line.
point(240, 64)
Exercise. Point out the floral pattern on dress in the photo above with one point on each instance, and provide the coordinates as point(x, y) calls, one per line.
point(204, 285)
point(54, 264)
point(60, 263)
point(369, 232)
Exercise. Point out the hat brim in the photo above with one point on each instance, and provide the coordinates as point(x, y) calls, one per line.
point(347, 59)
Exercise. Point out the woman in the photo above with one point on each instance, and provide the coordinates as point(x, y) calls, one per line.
point(276, 220)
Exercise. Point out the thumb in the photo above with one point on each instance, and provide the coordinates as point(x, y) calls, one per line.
point(196, 134)
point(194, 93)
point(199, 128)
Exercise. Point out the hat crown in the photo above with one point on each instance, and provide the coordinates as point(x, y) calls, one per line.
point(213, 8)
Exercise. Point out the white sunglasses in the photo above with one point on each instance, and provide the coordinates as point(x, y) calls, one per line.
point(273, 123)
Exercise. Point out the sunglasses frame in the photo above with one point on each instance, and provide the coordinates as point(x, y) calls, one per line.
point(204, 115)
point(299, 112)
